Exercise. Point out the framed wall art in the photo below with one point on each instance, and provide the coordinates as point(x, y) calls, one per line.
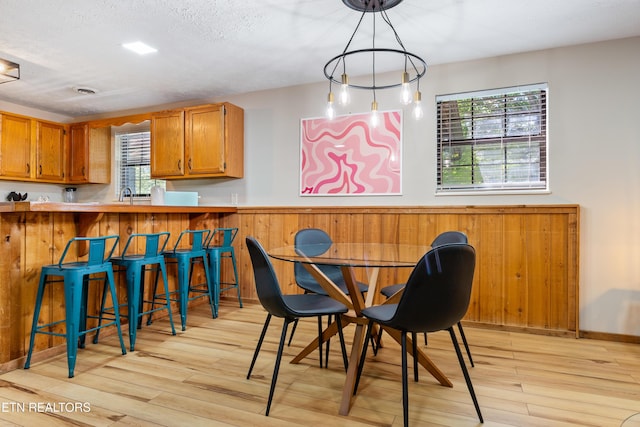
point(346, 155)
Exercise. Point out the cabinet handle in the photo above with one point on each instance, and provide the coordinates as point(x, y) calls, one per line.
point(28, 168)
point(189, 164)
point(83, 174)
point(180, 164)
point(40, 170)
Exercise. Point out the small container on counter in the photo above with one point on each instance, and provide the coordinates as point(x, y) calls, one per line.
point(69, 195)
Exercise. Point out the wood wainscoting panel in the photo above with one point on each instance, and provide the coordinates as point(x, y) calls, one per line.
point(31, 239)
point(526, 256)
point(526, 276)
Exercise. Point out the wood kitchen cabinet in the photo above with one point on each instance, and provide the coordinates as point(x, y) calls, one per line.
point(167, 144)
point(198, 142)
point(50, 152)
point(15, 146)
point(89, 154)
point(31, 149)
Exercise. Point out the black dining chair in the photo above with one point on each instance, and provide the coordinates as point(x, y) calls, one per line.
point(287, 307)
point(435, 298)
point(314, 242)
point(445, 238)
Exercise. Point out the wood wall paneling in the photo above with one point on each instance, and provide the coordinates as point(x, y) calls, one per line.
point(526, 274)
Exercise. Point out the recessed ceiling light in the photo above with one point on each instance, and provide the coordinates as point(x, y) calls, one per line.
point(139, 48)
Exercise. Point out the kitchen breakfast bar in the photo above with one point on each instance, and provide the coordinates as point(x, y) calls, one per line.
point(35, 234)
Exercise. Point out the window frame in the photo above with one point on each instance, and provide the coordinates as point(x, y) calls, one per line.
point(140, 184)
point(470, 137)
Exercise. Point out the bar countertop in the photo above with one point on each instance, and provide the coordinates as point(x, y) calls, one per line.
point(109, 207)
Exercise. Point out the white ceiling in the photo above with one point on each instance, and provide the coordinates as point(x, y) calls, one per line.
point(216, 48)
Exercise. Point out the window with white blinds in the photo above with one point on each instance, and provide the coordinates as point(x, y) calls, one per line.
point(134, 163)
point(492, 140)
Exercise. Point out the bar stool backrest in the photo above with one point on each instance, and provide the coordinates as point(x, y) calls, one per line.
point(198, 239)
point(222, 237)
point(99, 253)
point(155, 243)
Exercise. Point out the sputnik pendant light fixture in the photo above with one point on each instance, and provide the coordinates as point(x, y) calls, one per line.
point(414, 67)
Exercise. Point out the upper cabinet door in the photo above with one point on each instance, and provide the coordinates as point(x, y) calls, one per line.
point(89, 154)
point(204, 140)
point(50, 151)
point(167, 144)
point(15, 146)
point(79, 155)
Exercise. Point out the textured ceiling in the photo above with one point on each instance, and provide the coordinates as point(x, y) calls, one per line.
point(213, 48)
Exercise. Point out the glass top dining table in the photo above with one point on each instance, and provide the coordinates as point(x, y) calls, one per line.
point(352, 254)
point(349, 256)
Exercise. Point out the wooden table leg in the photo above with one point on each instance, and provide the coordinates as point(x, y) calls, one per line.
point(354, 359)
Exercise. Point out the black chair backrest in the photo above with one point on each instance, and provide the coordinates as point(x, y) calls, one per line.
point(438, 291)
point(449, 237)
point(267, 285)
point(313, 242)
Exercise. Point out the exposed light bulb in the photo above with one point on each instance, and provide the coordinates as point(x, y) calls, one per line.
point(331, 111)
point(345, 97)
point(375, 116)
point(417, 106)
point(405, 91)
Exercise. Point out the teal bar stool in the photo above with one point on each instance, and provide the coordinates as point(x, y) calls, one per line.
point(76, 279)
point(136, 262)
point(185, 258)
point(220, 247)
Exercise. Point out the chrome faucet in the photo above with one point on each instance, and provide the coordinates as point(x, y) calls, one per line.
point(124, 190)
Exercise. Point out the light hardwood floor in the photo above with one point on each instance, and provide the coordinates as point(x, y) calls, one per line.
point(198, 377)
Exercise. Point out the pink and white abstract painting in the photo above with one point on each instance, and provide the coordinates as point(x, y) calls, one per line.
point(348, 156)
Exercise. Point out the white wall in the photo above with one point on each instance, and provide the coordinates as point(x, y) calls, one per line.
point(594, 149)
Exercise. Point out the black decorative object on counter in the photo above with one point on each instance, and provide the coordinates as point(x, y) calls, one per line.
point(16, 197)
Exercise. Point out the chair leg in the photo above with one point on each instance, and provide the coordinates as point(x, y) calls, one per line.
point(112, 288)
point(163, 271)
point(73, 296)
point(83, 311)
point(363, 356)
point(235, 273)
point(378, 340)
point(276, 369)
point(36, 316)
point(105, 290)
point(320, 339)
point(343, 347)
point(326, 350)
point(153, 299)
point(293, 331)
point(213, 298)
point(255, 353)
point(466, 346)
point(405, 381)
point(414, 346)
point(135, 274)
point(183, 292)
point(467, 378)
point(214, 274)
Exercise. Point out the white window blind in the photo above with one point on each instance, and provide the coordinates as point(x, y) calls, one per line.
point(492, 140)
point(134, 163)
